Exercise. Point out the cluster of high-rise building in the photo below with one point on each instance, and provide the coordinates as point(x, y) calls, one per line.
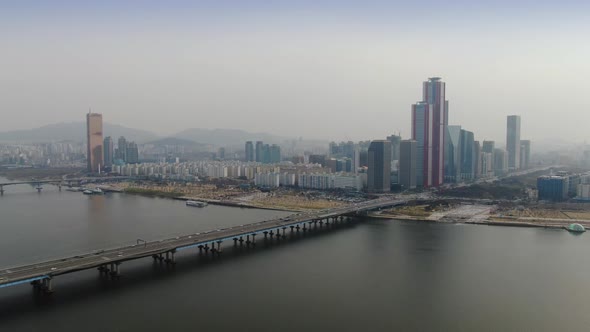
point(263, 153)
point(124, 152)
point(437, 153)
point(440, 153)
point(104, 153)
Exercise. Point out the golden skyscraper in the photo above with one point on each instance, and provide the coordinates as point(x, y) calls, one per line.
point(94, 140)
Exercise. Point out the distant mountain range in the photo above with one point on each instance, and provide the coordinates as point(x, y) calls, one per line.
point(223, 137)
point(173, 141)
point(73, 131)
point(76, 131)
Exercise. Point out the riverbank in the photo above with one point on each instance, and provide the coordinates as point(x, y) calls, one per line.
point(483, 215)
point(231, 203)
point(182, 197)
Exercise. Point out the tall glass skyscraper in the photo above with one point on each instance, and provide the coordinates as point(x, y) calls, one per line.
point(453, 154)
point(108, 146)
point(513, 141)
point(250, 151)
point(429, 122)
point(259, 153)
point(379, 172)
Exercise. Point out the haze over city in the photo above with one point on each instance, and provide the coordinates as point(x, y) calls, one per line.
point(329, 70)
point(313, 165)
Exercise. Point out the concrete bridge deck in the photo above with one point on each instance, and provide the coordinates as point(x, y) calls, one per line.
point(42, 273)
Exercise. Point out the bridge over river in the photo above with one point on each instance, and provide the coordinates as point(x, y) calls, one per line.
point(65, 181)
point(108, 261)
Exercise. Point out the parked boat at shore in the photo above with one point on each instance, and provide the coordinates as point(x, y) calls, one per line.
point(196, 203)
point(576, 228)
point(93, 191)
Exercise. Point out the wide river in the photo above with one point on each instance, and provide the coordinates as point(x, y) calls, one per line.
point(374, 275)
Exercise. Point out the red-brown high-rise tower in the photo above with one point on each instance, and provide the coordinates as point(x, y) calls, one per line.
point(94, 142)
point(429, 122)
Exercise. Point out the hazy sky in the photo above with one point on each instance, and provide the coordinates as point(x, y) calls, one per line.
point(317, 69)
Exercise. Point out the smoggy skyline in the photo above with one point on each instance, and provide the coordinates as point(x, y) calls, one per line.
point(317, 69)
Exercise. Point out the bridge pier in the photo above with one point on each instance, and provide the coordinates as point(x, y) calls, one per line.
point(46, 285)
point(292, 228)
point(219, 247)
point(284, 236)
point(115, 272)
point(170, 257)
point(200, 249)
point(1, 190)
point(248, 240)
point(102, 269)
point(297, 228)
point(241, 241)
point(235, 241)
point(265, 235)
point(59, 186)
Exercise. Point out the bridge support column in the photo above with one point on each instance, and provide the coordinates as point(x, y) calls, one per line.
point(235, 241)
point(278, 233)
point(200, 249)
point(1, 190)
point(321, 223)
point(254, 240)
point(115, 270)
point(39, 189)
point(284, 236)
point(170, 257)
point(47, 285)
point(241, 241)
point(292, 228)
point(248, 240)
point(265, 235)
point(36, 285)
point(206, 250)
point(59, 186)
point(219, 247)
